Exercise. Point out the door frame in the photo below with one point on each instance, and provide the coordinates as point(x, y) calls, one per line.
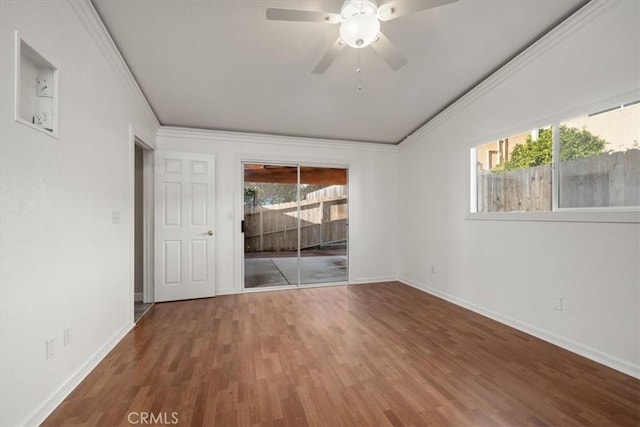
point(240, 214)
point(148, 214)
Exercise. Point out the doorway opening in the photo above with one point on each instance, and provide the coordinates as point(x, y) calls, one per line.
point(295, 225)
point(143, 217)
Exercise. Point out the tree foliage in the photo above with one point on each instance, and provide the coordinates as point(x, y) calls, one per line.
point(579, 143)
point(574, 144)
point(266, 193)
point(531, 153)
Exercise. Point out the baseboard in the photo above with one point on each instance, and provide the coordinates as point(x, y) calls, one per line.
point(231, 291)
point(605, 359)
point(373, 280)
point(40, 414)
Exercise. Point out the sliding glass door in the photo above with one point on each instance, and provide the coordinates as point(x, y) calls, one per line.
point(323, 225)
point(295, 225)
point(270, 225)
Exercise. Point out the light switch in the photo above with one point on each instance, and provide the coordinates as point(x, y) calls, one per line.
point(115, 217)
point(51, 348)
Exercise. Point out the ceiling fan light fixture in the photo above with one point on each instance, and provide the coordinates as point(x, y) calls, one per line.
point(360, 30)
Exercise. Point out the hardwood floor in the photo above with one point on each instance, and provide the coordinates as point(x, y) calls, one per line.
point(382, 354)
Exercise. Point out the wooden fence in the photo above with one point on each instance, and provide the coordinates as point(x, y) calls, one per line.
point(518, 190)
point(600, 181)
point(275, 228)
point(331, 192)
point(604, 180)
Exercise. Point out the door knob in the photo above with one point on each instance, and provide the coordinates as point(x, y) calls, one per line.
point(210, 233)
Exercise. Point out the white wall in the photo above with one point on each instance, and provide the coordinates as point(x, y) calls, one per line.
point(63, 263)
point(509, 270)
point(373, 196)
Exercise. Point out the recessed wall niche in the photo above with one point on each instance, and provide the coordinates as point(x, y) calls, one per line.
point(36, 90)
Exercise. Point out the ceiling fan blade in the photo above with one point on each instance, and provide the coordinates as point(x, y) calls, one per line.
point(303, 16)
point(389, 53)
point(397, 8)
point(329, 57)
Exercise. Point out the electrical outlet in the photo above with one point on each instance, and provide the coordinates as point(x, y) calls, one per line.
point(51, 347)
point(115, 217)
point(67, 336)
point(43, 87)
point(43, 118)
point(556, 302)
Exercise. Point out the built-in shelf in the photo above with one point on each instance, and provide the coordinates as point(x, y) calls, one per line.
point(36, 90)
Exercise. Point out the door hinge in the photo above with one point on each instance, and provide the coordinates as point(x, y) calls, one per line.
point(242, 226)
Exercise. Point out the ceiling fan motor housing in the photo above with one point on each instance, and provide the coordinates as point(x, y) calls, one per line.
point(354, 7)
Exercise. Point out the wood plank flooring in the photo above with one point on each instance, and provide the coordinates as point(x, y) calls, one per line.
point(381, 354)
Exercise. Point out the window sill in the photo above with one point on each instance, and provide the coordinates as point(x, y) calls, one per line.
point(631, 216)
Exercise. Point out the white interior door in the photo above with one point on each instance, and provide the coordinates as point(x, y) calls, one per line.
point(184, 226)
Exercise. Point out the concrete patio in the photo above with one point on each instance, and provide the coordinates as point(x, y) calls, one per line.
point(283, 271)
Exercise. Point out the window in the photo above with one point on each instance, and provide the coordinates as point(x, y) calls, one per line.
point(513, 174)
point(598, 165)
point(600, 159)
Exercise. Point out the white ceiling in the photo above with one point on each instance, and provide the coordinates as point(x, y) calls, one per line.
point(219, 64)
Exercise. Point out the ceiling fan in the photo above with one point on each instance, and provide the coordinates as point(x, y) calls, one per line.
point(359, 26)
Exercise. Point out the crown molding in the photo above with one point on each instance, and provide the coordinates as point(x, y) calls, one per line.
point(556, 35)
point(94, 25)
point(244, 137)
